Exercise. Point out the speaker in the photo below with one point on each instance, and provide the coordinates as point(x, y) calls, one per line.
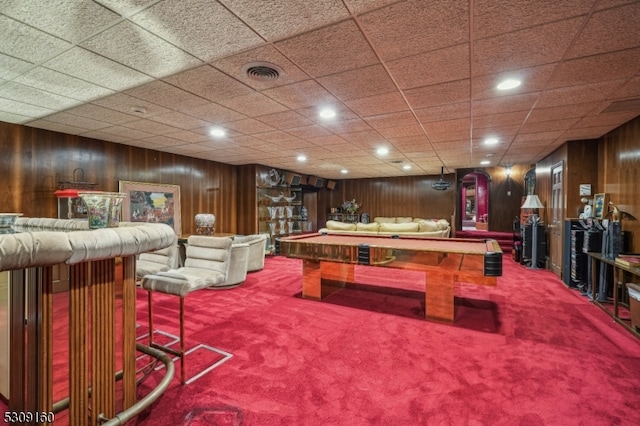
point(316, 181)
point(331, 184)
point(292, 179)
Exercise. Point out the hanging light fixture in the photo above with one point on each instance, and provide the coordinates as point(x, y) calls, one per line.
point(442, 184)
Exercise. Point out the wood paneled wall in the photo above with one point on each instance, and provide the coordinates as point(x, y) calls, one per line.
point(397, 196)
point(611, 164)
point(619, 166)
point(33, 161)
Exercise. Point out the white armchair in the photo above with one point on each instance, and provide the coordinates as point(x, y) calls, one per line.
point(257, 249)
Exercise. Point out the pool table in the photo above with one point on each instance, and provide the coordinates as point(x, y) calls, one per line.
point(444, 261)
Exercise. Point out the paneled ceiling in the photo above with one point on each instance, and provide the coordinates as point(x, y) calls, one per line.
point(416, 77)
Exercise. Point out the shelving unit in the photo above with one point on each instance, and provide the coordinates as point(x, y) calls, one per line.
point(344, 217)
point(279, 209)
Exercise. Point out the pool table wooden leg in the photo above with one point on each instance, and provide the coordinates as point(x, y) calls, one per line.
point(311, 279)
point(439, 296)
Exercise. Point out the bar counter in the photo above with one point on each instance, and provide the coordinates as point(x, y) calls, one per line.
point(29, 253)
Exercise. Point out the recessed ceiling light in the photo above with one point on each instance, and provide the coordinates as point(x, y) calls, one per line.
point(217, 132)
point(327, 113)
point(139, 110)
point(407, 167)
point(302, 157)
point(510, 83)
point(491, 141)
point(382, 151)
point(344, 171)
point(485, 162)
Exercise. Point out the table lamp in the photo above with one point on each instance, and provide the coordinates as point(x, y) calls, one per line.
point(533, 202)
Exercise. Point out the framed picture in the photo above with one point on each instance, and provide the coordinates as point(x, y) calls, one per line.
point(152, 203)
point(600, 205)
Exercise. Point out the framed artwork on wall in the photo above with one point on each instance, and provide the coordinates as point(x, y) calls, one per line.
point(152, 203)
point(600, 205)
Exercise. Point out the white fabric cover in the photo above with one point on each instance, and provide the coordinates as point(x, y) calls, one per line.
point(340, 226)
point(399, 227)
point(207, 264)
point(257, 249)
point(237, 267)
point(46, 241)
point(158, 261)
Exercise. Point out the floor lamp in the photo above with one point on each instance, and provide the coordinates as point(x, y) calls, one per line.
point(533, 202)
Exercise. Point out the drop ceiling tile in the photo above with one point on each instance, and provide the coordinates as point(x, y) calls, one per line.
point(253, 104)
point(585, 133)
point(494, 17)
point(22, 108)
point(141, 50)
point(62, 84)
point(449, 137)
point(29, 95)
point(309, 131)
point(275, 136)
point(27, 43)
point(443, 112)
point(561, 112)
point(248, 126)
point(99, 113)
point(279, 19)
point(203, 28)
point(605, 67)
point(404, 118)
point(505, 104)
point(613, 119)
point(378, 104)
point(179, 120)
point(301, 95)
point(9, 117)
point(440, 94)
point(446, 126)
point(359, 83)
point(162, 93)
point(329, 50)
point(11, 67)
point(65, 118)
point(578, 94)
point(82, 18)
point(56, 127)
point(630, 89)
point(524, 48)
point(97, 134)
point(533, 79)
point(399, 132)
point(524, 138)
point(214, 113)
point(547, 126)
point(127, 104)
point(499, 120)
point(150, 127)
point(285, 120)
point(365, 137)
point(416, 26)
point(436, 66)
point(234, 67)
point(600, 36)
point(187, 136)
point(347, 126)
point(88, 66)
point(209, 83)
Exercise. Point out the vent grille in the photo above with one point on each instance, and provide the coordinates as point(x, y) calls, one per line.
point(262, 71)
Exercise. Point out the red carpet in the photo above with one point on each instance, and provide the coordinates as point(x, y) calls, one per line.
point(527, 352)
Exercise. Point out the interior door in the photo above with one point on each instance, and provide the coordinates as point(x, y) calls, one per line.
point(556, 223)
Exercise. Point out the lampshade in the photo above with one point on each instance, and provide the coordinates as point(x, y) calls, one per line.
point(532, 202)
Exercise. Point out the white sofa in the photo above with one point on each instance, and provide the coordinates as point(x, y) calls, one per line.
point(396, 225)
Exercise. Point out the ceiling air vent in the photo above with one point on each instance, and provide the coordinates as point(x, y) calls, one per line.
point(442, 184)
point(262, 71)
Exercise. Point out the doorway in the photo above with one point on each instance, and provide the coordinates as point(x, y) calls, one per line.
point(475, 201)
